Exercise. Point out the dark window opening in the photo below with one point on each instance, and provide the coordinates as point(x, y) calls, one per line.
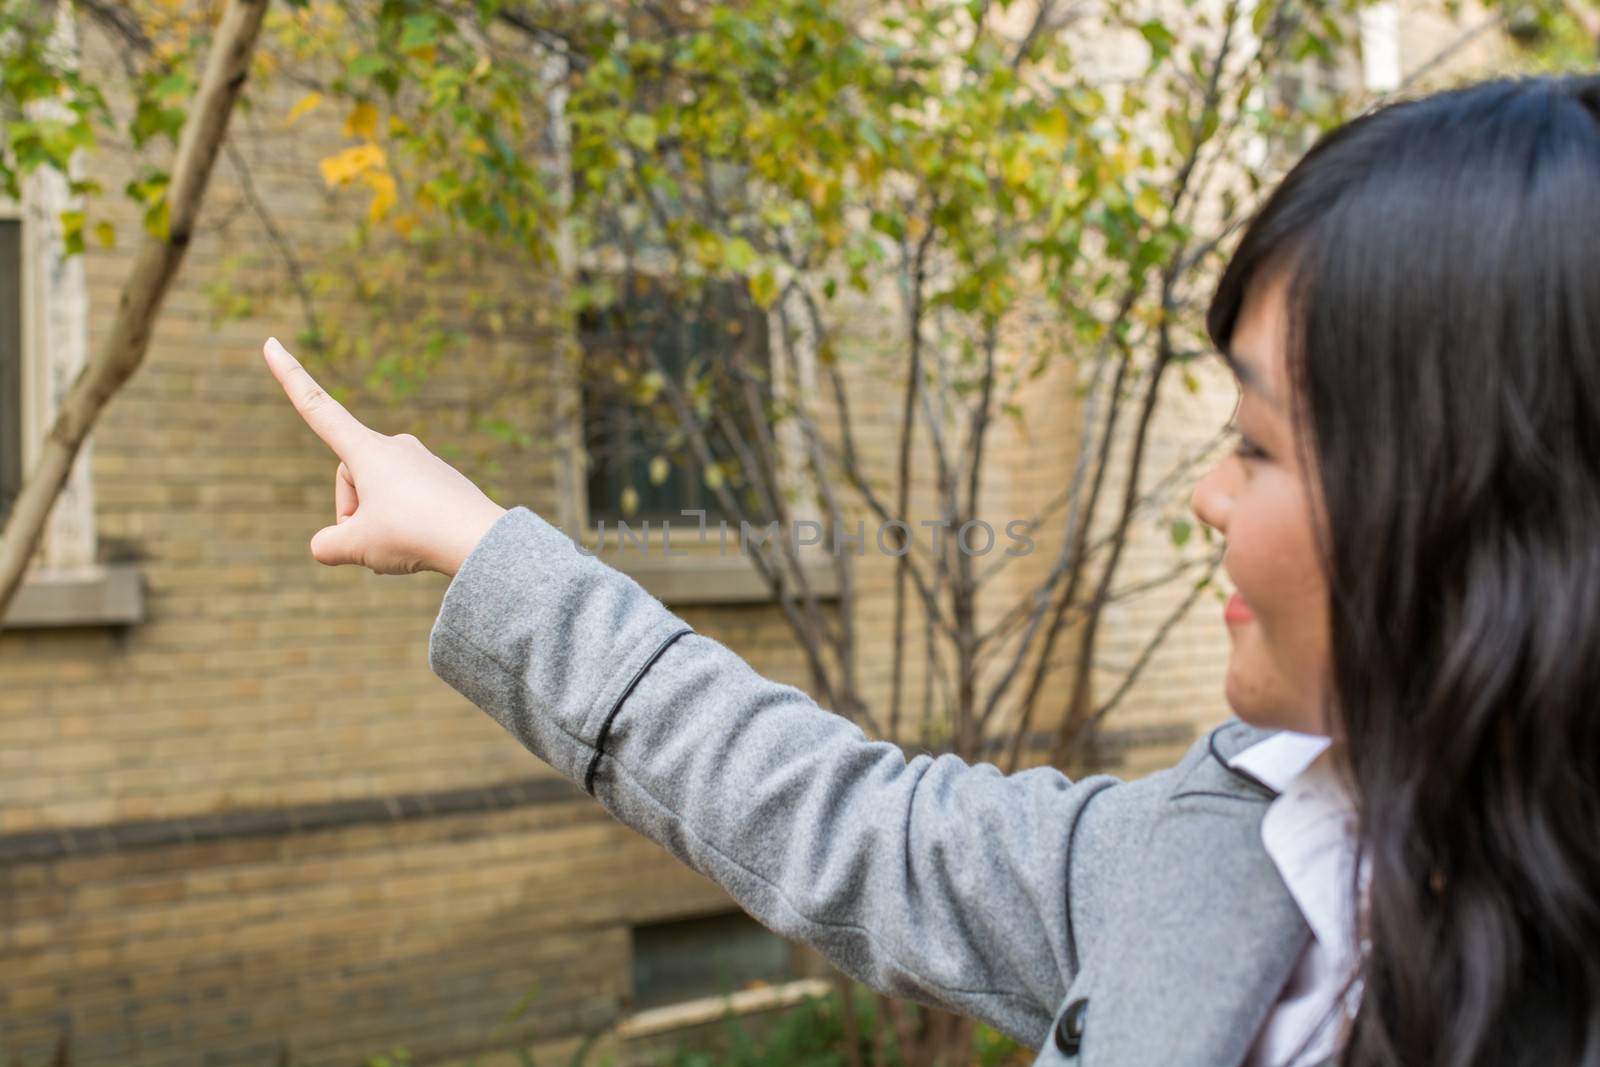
point(713, 345)
point(713, 955)
point(10, 364)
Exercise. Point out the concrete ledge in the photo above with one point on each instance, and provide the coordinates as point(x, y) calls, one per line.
point(730, 579)
point(110, 595)
point(711, 1009)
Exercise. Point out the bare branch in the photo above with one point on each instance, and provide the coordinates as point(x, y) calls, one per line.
point(279, 241)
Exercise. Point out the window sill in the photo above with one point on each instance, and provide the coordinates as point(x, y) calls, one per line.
point(701, 579)
point(111, 594)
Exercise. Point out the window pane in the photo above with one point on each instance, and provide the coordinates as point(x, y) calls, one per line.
point(10, 362)
point(706, 956)
point(709, 335)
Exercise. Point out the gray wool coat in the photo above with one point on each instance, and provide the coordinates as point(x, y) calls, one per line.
point(1105, 923)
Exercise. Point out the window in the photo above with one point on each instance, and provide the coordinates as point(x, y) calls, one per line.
point(10, 363)
point(44, 337)
point(607, 448)
point(714, 343)
point(44, 320)
point(710, 956)
point(716, 335)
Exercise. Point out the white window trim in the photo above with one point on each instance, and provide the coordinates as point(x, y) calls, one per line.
point(65, 584)
point(694, 572)
point(54, 348)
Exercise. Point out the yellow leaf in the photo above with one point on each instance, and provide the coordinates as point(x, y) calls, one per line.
point(362, 121)
point(817, 190)
point(404, 224)
point(763, 288)
point(350, 164)
point(650, 385)
point(1019, 169)
point(306, 104)
point(1054, 128)
point(383, 194)
point(1149, 203)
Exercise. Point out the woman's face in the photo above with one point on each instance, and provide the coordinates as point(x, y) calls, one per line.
point(1261, 501)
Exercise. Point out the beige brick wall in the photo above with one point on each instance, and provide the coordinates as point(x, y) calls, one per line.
point(337, 944)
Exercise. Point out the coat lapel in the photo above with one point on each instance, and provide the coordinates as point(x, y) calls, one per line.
point(1205, 950)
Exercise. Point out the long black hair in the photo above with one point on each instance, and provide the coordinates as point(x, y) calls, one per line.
point(1444, 266)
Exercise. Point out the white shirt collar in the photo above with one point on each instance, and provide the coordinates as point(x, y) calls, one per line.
point(1308, 830)
point(1309, 833)
point(1278, 759)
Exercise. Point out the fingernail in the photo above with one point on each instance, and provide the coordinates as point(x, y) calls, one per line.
point(277, 348)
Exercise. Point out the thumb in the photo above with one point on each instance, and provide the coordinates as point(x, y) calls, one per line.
point(338, 544)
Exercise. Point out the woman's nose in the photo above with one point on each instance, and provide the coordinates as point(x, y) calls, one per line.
point(1212, 500)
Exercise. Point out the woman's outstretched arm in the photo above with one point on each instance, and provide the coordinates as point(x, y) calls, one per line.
point(927, 878)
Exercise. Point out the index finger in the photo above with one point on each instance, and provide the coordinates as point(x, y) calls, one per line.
point(326, 416)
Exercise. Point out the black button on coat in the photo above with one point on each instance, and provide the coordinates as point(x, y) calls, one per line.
point(1069, 1028)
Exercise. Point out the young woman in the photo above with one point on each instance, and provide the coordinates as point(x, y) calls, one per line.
point(1390, 857)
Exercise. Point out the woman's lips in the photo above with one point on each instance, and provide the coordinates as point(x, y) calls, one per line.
point(1236, 611)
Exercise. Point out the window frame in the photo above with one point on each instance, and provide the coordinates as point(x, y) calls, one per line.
point(66, 583)
point(748, 312)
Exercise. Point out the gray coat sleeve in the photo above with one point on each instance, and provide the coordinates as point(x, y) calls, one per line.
point(928, 878)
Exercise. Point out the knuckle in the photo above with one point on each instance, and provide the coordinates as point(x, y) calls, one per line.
point(314, 396)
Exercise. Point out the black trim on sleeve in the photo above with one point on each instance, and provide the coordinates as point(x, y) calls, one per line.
point(605, 727)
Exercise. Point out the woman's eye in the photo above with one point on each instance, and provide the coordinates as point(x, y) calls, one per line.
point(1245, 448)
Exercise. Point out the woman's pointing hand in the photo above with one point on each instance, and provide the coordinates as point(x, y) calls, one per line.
point(398, 508)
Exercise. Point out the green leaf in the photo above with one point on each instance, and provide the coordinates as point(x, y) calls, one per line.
point(72, 223)
point(158, 220)
point(1159, 38)
point(420, 32)
point(366, 65)
point(640, 130)
point(739, 255)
